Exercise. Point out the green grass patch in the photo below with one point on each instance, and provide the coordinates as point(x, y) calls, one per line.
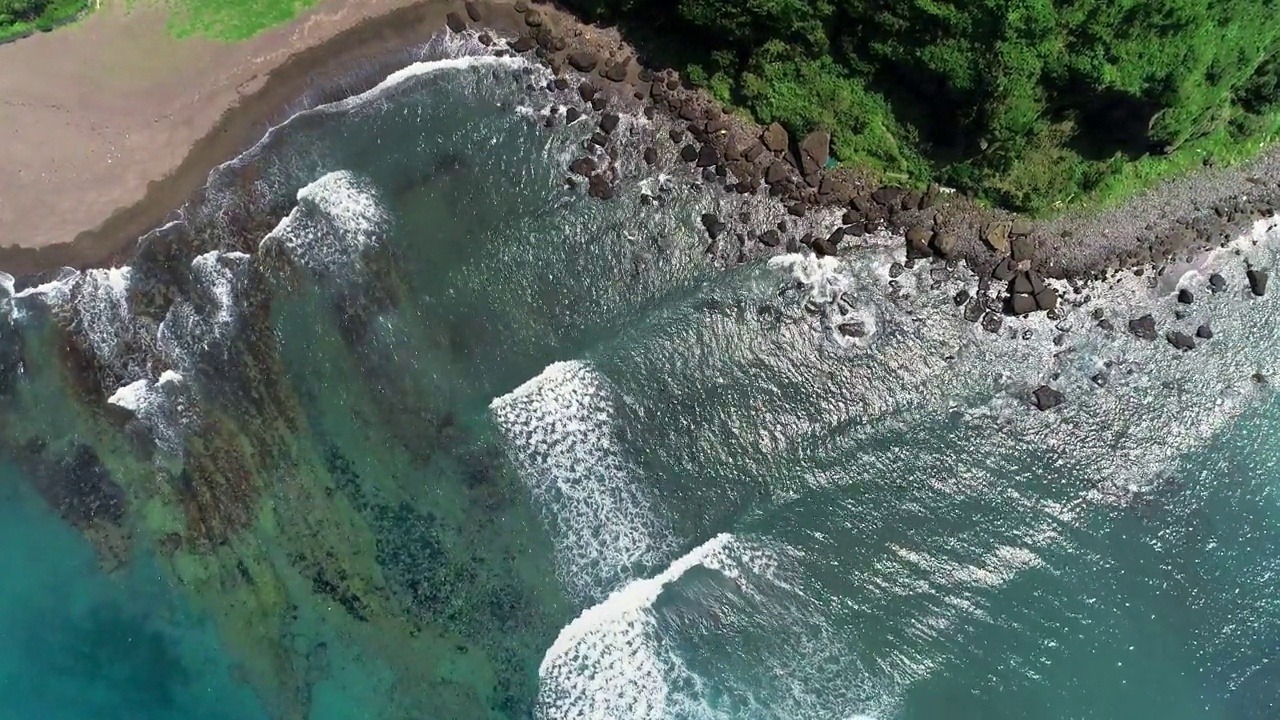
point(231, 20)
point(19, 18)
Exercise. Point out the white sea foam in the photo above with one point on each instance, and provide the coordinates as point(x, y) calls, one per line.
point(160, 406)
point(6, 285)
point(620, 659)
point(194, 326)
point(559, 433)
point(338, 218)
point(102, 312)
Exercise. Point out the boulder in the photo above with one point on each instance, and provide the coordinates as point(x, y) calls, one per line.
point(713, 225)
point(797, 209)
point(1204, 332)
point(609, 122)
point(533, 19)
point(836, 236)
point(1045, 398)
point(918, 238)
point(598, 102)
point(1217, 283)
point(855, 229)
point(689, 152)
point(583, 166)
point(815, 150)
point(599, 138)
point(896, 269)
point(572, 114)
point(1047, 299)
point(1106, 325)
point(775, 138)
point(1181, 340)
point(650, 155)
point(1022, 283)
point(992, 322)
point(961, 297)
point(1022, 304)
point(823, 247)
point(1020, 227)
point(1022, 249)
point(944, 244)
point(708, 156)
point(888, 196)
point(776, 173)
point(582, 61)
point(996, 235)
point(1257, 281)
point(1185, 297)
point(853, 329)
point(600, 187)
point(1143, 327)
point(618, 71)
point(473, 10)
point(973, 310)
point(587, 91)
point(1004, 270)
point(454, 22)
point(770, 238)
point(754, 151)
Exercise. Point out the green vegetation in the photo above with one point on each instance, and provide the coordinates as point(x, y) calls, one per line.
point(23, 17)
point(231, 20)
point(1030, 104)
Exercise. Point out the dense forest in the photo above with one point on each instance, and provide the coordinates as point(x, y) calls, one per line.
point(23, 17)
point(1030, 104)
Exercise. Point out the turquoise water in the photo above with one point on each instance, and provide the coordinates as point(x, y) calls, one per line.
point(398, 425)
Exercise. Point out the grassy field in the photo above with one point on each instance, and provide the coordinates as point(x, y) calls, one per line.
point(231, 20)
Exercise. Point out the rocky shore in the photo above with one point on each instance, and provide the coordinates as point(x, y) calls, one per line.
point(1021, 267)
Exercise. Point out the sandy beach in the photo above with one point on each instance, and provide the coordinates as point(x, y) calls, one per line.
point(111, 124)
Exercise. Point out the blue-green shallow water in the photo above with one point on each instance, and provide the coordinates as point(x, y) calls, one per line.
point(455, 441)
point(78, 643)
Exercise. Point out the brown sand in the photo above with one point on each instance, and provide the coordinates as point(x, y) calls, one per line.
point(111, 124)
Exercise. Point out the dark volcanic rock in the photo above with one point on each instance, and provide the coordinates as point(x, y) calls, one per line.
point(973, 310)
point(797, 209)
point(1004, 270)
point(815, 149)
point(918, 238)
point(1185, 297)
point(1257, 281)
point(599, 102)
point(713, 225)
point(454, 22)
point(1022, 283)
point(896, 269)
point(582, 61)
point(1020, 227)
point(650, 156)
point(1045, 397)
point(473, 10)
point(524, 43)
point(770, 238)
point(1181, 340)
point(944, 244)
point(533, 18)
point(583, 166)
point(618, 71)
point(823, 247)
point(961, 297)
point(609, 122)
point(708, 156)
point(689, 152)
point(1217, 283)
point(776, 173)
point(1047, 299)
point(836, 236)
point(600, 187)
point(1204, 332)
point(1143, 327)
point(775, 138)
point(587, 91)
point(1022, 304)
point(1022, 248)
point(992, 322)
point(572, 114)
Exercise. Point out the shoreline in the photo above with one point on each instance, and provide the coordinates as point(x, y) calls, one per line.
point(1187, 215)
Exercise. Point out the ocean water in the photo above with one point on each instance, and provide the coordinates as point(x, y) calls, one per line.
point(395, 424)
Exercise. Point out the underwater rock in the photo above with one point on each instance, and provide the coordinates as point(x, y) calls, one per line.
point(1045, 397)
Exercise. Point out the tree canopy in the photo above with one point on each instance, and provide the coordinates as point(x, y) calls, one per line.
point(1025, 102)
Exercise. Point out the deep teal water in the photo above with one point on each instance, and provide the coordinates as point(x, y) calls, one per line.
point(519, 453)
